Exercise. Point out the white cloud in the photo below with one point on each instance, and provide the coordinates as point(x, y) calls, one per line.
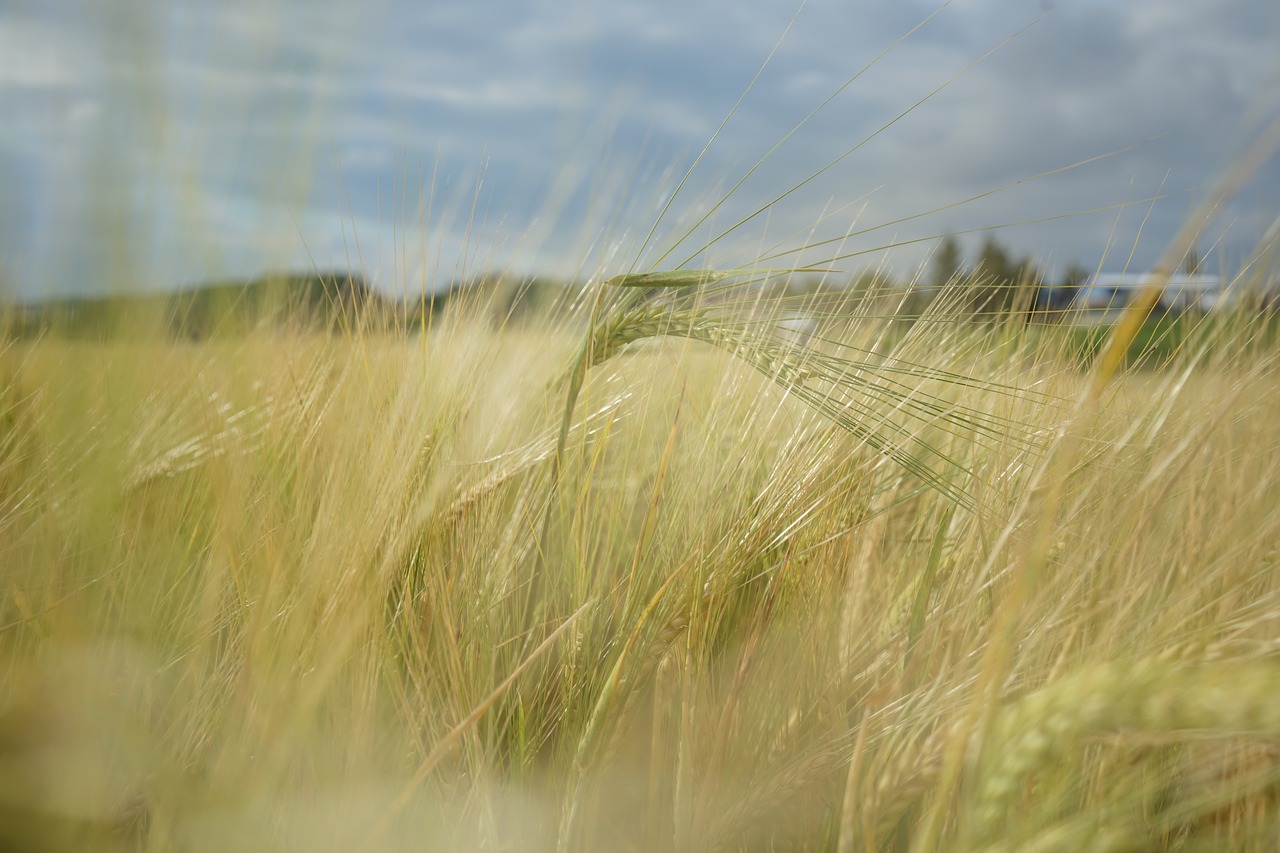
point(37, 54)
point(510, 95)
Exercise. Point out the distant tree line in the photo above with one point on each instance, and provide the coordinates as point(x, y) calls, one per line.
point(335, 301)
point(997, 284)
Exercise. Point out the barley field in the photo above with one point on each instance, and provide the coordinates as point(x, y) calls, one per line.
point(307, 591)
point(677, 560)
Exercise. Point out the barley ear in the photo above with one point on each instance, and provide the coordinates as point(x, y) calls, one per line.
point(1149, 695)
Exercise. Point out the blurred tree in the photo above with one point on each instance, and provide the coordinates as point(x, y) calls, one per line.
point(1026, 288)
point(1000, 285)
point(991, 279)
point(948, 262)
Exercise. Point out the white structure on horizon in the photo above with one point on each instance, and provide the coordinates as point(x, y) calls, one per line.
point(1114, 290)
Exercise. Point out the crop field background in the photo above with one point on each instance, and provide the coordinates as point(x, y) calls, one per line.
point(701, 561)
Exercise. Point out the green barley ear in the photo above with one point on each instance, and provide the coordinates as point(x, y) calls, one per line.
point(1150, 696)
point(857, 391)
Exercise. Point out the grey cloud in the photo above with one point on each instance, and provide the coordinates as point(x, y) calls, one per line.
point(269, 103)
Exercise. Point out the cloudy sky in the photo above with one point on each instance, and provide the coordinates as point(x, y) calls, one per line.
point(151, 144)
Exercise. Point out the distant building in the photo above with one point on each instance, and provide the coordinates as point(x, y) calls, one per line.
point(1113, 291)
